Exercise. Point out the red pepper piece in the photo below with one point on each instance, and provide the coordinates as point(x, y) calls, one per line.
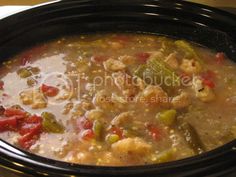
point(27, 128)
point(220, 58)
point(25, 59)
point(33, 119)
point(208, 83)
point(27, 56)
point(49, 91)
point(88, 134)
point(208, 75)
point(117, 131)
point(207, 78)
point(12, 112)
point(1, 85)
point(31, 125)
point(5, 95)
point(142, 56)
point(8, 124)
point(2, 110)
point(30, 137)
point(84, 123)
point(155, 132)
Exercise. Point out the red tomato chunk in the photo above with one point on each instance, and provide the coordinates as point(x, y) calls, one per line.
point(49, 91)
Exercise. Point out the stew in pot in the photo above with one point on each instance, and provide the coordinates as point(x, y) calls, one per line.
point(118, 99)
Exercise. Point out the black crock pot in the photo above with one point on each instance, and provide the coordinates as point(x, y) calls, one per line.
point(207, 26)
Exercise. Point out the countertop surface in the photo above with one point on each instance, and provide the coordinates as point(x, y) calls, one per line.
point(21, 2)
point(217, 3)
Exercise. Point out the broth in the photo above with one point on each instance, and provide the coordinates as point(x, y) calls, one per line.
point(118, 99)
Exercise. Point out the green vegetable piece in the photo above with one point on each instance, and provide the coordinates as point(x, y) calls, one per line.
point(50, 123)
point(34, 70)
point(144, 72)
point(167, 117)
point(112, 138)
point(168, 45)
point(24, 73)
point(140, 70)
point(31, 82)
point(157, 72)
point(161, 70)
point(165, 156)
point(97, 129)
point(191, 137)
point(188, 49)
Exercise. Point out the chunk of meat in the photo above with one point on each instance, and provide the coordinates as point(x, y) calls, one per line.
point(204, 93)
point(91, 88)
point(140, 83)
point(125, 83)
point(197, 83)
point(181, 101)
point(80, 108)
point(34, 98)
point(127, 59)
point(131, 146)
point(107, 101)
point(94, 114)
point(86, 105)
point(190, 66)
point(172, 61)
point(154, 95)
point(113, 65)
point(142, 57)
point(26, 97)
point(122, 80)
point(130, 93)
point(157, 54)
point(39, 101)
point(67, 108)
point(123, 119)
point(118, 101)
point(103, 100)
